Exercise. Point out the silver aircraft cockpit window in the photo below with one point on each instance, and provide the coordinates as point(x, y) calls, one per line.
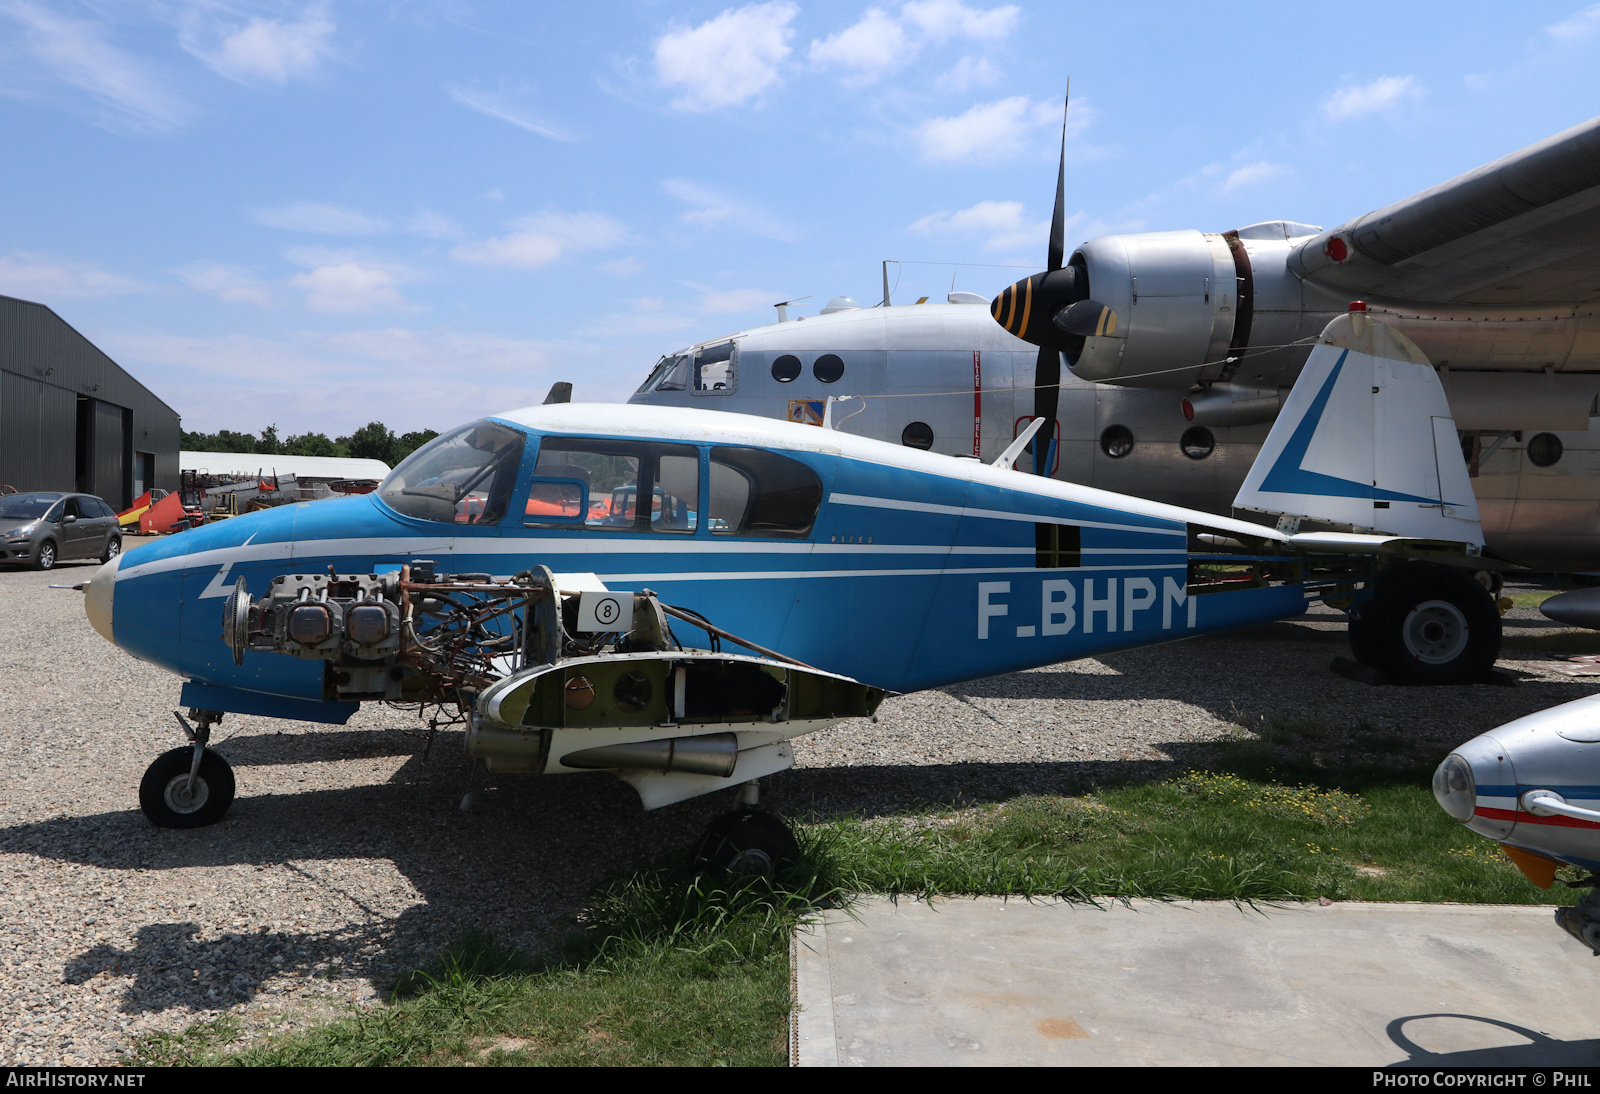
point(715, 370)
point(463, 477)
point(668, 375)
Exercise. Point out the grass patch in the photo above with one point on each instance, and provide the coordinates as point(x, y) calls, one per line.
point(1530, 600)
point(669, 969)
point(1560, 642)
point(672, 968)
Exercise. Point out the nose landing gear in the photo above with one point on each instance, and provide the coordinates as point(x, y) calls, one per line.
point(189, 787)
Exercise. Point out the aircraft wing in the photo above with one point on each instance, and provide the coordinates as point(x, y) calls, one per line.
point(1524, 230)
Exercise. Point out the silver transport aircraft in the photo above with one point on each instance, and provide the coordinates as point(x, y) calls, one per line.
point(1494, 275)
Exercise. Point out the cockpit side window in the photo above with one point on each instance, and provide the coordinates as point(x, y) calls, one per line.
point(614, 475)
point(668, 375)
point(463, 477)
point(760, 493)
point(715, 370)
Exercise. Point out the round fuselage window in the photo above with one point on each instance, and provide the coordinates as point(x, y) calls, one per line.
point(1116, 441)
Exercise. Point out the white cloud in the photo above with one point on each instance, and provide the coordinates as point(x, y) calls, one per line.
point(736, 300)
point(875, 44)
point(1359, 100)
point(991, 130)
point(967, 73)
point(1252, 173)
point(262, 50)
point(324, 383)
point(311, 216)
point(729, 59)
point(709, 208)
point(348, 287)
point(1002, 222)
point(128, 92)
point(941, 19)
point(495, 106)
point(879, 42)
point(539, 240)
point(229, 283)
point(33, 277)
point(1580, 25)
point(623, 267)
point(425, 222)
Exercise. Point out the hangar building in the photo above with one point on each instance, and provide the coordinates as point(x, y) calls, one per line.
point(72, 419)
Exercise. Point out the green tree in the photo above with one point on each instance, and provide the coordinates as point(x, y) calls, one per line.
point(310, 444)
point(373, 441)
point(410, 442)
point(269, 444)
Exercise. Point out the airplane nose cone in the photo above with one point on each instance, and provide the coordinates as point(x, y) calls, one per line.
point(1580, 608)
point(98, 596)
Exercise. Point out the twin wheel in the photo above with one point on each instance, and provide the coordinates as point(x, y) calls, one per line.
point(1428, 624)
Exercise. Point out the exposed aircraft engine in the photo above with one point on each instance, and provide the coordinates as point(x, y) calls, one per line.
point(550, 680)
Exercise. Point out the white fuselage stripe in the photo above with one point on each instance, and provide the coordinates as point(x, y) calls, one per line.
point(992, 514)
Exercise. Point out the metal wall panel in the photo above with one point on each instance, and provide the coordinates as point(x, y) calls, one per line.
point(36, 434)
point(109, 466)
point(44, 366)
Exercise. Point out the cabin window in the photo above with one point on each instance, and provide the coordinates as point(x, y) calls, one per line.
point(1057, 546)
point(714, 370)
point(1197, 442)
point(786, 369)
point(828, 368)
point(759, 493)
point(917, 435)
point(604, 479)
point(464, 477)
point(1544, 449)
point(1116, 441)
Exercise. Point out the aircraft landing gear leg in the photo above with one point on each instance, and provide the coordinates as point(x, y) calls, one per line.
point(189, 787)
point(747, 840)
point(1428, 624)
point(1582, 920)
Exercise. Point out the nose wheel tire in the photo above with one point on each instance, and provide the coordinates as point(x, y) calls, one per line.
point(46, 557)
point(747, 841)
point(1428, 625)
point(171, 800)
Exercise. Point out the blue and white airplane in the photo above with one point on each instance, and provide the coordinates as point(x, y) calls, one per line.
point(848, 568)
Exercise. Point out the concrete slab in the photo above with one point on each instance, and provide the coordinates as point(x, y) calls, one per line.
point(987, 982)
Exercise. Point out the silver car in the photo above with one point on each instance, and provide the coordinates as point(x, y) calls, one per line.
point(44, 528)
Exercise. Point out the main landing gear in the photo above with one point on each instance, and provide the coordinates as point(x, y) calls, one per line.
point(1428, 624)
point(189, 787)
point(747, 840)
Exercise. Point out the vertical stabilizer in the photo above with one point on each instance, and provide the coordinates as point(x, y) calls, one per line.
point(1366, 440)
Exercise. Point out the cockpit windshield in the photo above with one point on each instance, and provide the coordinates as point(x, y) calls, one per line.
point(668, 375)
point(463, 477)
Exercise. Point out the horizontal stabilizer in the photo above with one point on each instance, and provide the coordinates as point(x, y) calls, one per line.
point(1366, 440)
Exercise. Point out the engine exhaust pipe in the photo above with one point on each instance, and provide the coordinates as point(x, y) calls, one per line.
point(709, 754)
point(1225, 405)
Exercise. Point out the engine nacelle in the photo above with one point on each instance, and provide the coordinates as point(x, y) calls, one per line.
point(1177, 298)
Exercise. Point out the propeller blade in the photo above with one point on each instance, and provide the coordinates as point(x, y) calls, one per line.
point(1058, 220)
point(1086, 319)
point(1046, 399)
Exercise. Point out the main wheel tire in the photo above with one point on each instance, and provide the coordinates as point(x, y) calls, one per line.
point(113, 549)
point(45, 558)
point(747, 841)
point(163, 796)
point(1428, 625)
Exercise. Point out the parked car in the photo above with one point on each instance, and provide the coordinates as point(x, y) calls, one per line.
point(42, 528)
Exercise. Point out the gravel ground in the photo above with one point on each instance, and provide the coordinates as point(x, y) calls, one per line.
point(346, 858)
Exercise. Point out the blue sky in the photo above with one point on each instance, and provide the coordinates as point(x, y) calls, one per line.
point(321, 214)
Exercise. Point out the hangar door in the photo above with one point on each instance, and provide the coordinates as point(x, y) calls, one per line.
point(105, 451)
